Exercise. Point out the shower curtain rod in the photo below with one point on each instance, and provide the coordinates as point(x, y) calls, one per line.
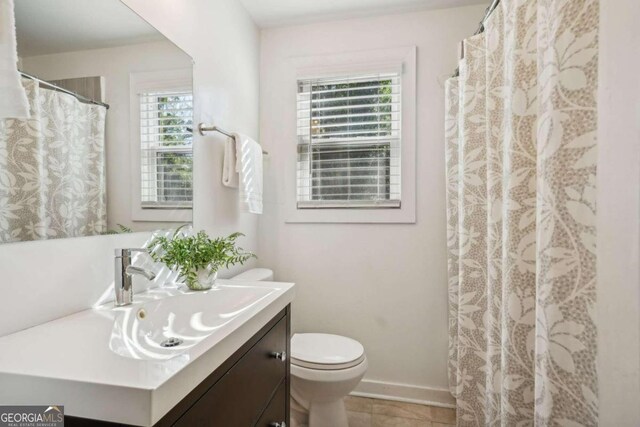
point(60, 89)
point(480, 29)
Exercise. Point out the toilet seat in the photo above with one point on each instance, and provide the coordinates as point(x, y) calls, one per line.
point(325, 351)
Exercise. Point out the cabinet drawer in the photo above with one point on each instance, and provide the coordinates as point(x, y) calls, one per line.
point(276, 412)
point(241, 395)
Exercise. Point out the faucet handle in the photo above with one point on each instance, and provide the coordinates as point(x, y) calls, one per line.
point(126, 252)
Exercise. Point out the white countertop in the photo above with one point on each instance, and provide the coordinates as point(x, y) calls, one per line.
point(69, 362)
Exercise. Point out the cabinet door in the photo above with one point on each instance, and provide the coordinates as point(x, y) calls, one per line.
point(276, 412)
point(241, 395)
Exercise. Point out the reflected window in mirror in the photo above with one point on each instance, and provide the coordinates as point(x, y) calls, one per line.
point(164, 143)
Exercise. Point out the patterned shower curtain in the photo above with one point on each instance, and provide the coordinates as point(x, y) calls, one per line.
point(52, 169)
point(521, 173)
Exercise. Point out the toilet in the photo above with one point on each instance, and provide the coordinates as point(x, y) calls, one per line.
point(255, 275)
point(324, 369)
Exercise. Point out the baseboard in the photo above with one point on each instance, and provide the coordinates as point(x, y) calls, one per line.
point(405, 393)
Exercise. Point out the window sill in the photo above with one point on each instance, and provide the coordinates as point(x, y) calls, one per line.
point(386, 204)
point(162, 215)
point(403, 215)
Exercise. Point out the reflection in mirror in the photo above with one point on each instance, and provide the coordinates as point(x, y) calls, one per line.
point(108, 145)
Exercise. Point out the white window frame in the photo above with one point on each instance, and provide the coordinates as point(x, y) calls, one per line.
point(346, 64)
point(142, 82)
point(305, 172)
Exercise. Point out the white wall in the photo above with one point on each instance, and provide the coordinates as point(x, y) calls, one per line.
point(383, 284)
point(40, 281)
point(115, 65)
point(619, 215)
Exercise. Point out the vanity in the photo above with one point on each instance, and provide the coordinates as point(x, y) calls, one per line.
point(172, 358)
point(250, 388)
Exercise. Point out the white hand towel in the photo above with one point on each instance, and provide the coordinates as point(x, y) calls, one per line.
point(13, 98)
point(230, 176)
point(249, 167)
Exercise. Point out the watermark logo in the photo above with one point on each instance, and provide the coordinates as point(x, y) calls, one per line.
point(32, 416)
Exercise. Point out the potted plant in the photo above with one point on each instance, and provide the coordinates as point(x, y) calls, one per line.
point(197, 258)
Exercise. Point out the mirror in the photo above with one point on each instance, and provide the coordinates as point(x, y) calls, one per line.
point(108, 146)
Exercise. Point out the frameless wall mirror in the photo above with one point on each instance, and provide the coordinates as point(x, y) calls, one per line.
point(108, 146)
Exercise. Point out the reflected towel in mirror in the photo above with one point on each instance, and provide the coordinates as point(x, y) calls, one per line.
point(13, 99)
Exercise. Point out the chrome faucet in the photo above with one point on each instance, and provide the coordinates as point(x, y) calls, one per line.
point(124, 275)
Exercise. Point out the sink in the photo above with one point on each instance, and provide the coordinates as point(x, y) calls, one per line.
point(95, 359)
point(167, 328)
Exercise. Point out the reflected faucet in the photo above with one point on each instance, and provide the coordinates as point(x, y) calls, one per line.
point(124, 275)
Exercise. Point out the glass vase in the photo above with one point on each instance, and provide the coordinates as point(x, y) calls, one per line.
point(204, 279)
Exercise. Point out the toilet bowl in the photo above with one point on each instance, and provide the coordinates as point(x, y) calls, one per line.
point(324, 369)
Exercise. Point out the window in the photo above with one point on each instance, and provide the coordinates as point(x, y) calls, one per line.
point(161, 119)
point(166, 161)
point(349, 141)
point(349, 120)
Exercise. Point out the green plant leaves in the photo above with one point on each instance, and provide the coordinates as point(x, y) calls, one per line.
point(188, 254)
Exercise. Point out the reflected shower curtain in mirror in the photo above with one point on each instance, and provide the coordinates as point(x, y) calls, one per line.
point(52, 169)
point(521, 172)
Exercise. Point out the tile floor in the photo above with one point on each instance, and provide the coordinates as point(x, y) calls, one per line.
point(365, 412)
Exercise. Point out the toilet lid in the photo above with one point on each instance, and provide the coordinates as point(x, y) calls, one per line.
point(325, 351)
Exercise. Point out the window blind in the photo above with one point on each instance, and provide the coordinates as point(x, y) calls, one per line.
point(349, 141)
point(166, 149)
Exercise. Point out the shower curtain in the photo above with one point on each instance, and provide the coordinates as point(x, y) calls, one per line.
point(521, 173)
point(52, 169)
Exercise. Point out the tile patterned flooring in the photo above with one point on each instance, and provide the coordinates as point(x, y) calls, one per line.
point(366, 412)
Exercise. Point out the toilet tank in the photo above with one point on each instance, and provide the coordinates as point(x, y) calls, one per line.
point(255, 275)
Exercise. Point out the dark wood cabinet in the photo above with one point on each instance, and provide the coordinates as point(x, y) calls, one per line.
point(242, 394)
point(251, 388)
point(276, 412)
